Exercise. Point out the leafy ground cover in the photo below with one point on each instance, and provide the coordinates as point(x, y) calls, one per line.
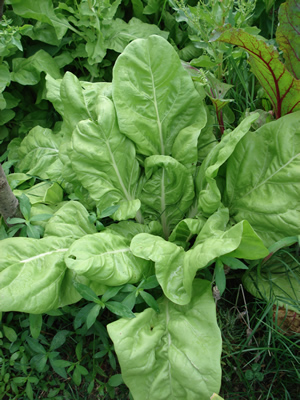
point(149, 193)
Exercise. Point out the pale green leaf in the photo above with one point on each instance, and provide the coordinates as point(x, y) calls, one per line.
point(106, 258)
point(104, 162)
point(39, 263)
point(156, 100)
point(39, 154)
point(168, 192)
point(262, 179)
point(209, 197)
point(70, 220)
point(157, 360)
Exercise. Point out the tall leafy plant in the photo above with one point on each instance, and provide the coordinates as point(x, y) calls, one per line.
point(134, 144)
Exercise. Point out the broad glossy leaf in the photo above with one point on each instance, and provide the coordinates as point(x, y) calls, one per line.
point(42, 11)
point(168, 191)
point(280, 85)
point(27, 71)
point(31, 273)
point(118, 33)
point(157, 105)
point(173, 354)
point(209, 196)
point(288, 35)
point(262, 179)
point(44, 192)
point(39, 154)
point(105, 163)
point(71, 220)
point(185, 230)
point(106, 258)
point(176, 269)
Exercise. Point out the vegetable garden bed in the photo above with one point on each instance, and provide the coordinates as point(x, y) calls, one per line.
point(149, 190)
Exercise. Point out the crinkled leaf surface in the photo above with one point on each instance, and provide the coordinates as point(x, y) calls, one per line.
point(27, 71)
point(42, 11)
point(280, 85)
point(174, 354)
point(176, 269)
point(32, 273)
point(119, 33)
point(288, 35)
point(106, 258)
point(44, 192)
point(105, 163)
point(71, 220)
point(262, 179)
point(209, 196)
point(185, 230)
point(39, 154)
point(168, 192)
point(156, 100)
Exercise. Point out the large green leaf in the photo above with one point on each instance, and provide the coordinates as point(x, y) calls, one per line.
point(280, 85)
point(32, 273)
point(288, 35)
point(168, 192)
point(106, 258)
point(105, 163)
point(174, 354)
point(38, 153)
point(176, 269)
point(71, 220)
point(119, 33)
point(43, 11)
point(157, 105)
point(262, 179)
point(27, 71)
point(209, 196)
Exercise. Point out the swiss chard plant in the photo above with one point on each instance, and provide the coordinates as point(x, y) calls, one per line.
point(138, 150)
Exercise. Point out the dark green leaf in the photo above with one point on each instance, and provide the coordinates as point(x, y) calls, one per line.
point(111, 292)
point(119, 309)
point(92, 315)
point(233, 263)
point(35, 321)
point(115, 380)
point(35, 346)
point(220, 276)
point(149, 283)
point(86, 292)
point(150, 300)
point(77, 376)
point(59, 339)
point(38, 362)
point(25, 206)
